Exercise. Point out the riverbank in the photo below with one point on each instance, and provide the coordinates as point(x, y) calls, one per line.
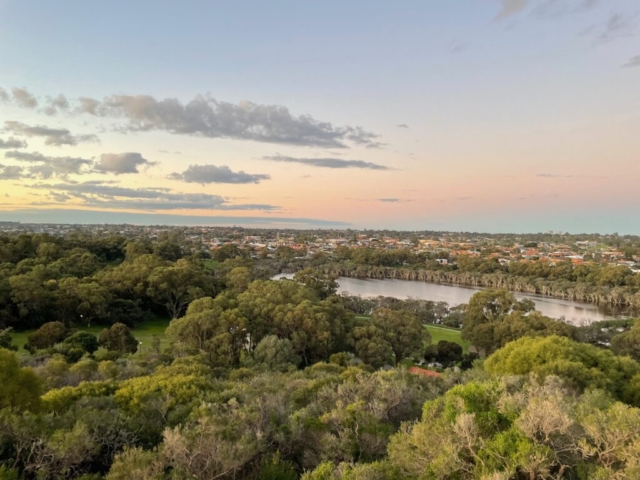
point(577, 313)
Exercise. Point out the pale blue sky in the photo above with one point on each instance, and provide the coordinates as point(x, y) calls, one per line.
point(518, 119)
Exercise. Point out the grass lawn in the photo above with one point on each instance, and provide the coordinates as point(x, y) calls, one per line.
point(440, 333)
point(143, 333)
point(449, 334)
point(210, 264)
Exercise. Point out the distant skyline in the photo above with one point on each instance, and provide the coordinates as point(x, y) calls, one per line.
point(489, 115)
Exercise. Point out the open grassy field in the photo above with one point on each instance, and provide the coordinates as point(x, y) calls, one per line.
point(143, 333)
point(449, 334)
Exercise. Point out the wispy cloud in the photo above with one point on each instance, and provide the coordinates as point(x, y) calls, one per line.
point(23, 98)
point(12, 143)
point(402, 125)
point(47, 166)
point(619, 25)
point(544, 8)
point(213, 174)
point(557, 8)
point(633, 62)
point(510, 7)
point(56, 105)
point(457, 47)
point(328, 162)
point(109, 195)
point(11, 172)
point(55, 137)
point(381, 200)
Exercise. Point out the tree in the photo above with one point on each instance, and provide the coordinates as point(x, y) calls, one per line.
point(85, 341)
point(5, 339)
point(263, 301)
point(497, 333)
point(176, 286)
point(405, 333)
point(83, 300)
point(46, 336)
point(371, 345)
point(239, 278)
point(275, 354)
point(490, 306)
point(324, 285)
point(168, 251)
point(582, 365)
point(118, 338)
point(445, 353)
point(628, 343)
point(208, 328)
point(225, 252)
point(21, 387)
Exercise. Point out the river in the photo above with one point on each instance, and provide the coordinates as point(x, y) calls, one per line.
point(577, 313)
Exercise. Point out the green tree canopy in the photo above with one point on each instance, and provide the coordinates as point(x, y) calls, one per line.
point(582, 365)
point(118, 338)
point(20, 388)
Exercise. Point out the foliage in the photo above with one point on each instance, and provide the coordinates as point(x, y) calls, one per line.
point(628, 342)
point(118, 338)
point(21, 387)
point(46, 336)
point(584, 366)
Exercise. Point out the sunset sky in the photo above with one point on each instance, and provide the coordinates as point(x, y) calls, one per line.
point(475, 115)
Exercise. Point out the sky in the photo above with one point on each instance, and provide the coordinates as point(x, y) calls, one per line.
point(462, 115)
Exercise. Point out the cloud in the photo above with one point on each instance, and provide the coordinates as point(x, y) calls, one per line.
point(54, 105)
point(205, 116)
point(389, 200)
point(634, 62)
point(457, 47)
point(59, 197)
point(402, 125)
point(4, 96)
point(108, 195)
point(212, 174)
point(12, 143)
point(23, 98)
point(557, 8)
point(48, 167)
point(549, 175)
point(328, 162)
point(62, 216)
point(120, 163)
point(88, 105)
point(510, 7)
point(53, 136)
point(9, 172)
point(618, 26)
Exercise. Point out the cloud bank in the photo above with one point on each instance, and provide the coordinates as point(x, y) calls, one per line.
point(108, 195)
point(328, 162)
point(55, 137)
point(204, 116)
point(213, 174)
point(12, 143)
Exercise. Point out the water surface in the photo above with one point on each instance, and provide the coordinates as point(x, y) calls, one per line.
point(575, 312)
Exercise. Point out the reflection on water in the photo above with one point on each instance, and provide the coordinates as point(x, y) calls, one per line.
point(575, 312)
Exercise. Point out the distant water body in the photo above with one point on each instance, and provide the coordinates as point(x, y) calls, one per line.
point(577, 313)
